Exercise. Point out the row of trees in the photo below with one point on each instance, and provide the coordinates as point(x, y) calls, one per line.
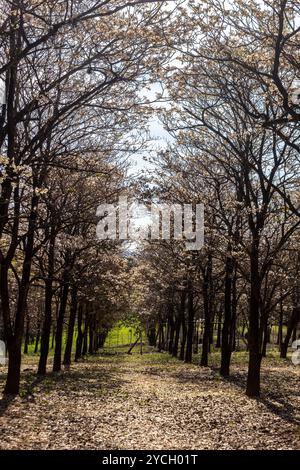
point(72, 73)
point(234, 121)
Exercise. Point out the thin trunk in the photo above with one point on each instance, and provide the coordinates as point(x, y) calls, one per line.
point(196, 339)
point(134, 344)
point(183, 340)
point(73, 311)
point(219, 330)
point(190, 331)
point(26, 340)
point(37, 340)
point(38, 333)
point(160, 345)
point(151, 334)
point(60, 325)
point(179, 318)
point(265, 339)
point(295, 317)
point(234, 312)
point(48, 308)
point(280, 325)
point(85, 333)
point(253, 379)
point(141, 342)
point(91, 335)
point(226, 340)
point(213, 326)
point(162, 336)
point(207, 313)
point(79, 334)
point(54, 331)
point(171, 329)
point(293, 321)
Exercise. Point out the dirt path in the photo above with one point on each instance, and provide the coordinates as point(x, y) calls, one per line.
point(151, 402)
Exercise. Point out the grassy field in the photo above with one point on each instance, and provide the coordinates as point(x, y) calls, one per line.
point(118, 339)
point(121, 335)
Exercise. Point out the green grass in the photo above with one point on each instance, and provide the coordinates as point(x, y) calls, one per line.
point(239, 357)
point(121, 336)
point(31, 347)
point(119, 339)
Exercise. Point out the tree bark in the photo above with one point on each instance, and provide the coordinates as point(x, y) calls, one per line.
point(59, 326)
point(207, 313)
point(91, 335)
point(226, 349)
point(219, 330)
point(48, 308)
point(178, 323)
point(190, 331)
point(69, 343)
point(291, 325)
point(14, 342)
point(26, 340)
point(79, 334)
point(253, 379)
point(183, 339)
point(151, 335)
point(280, 325)
point(85, 333)
point(171, 328)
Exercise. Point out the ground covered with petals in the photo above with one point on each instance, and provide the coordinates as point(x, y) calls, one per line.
point(151, 402)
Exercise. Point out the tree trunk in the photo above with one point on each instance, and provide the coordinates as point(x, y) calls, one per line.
point(26, 340)
point(196, 339)
point(266, 338)
point(183, 340)
point(37, 340)
point(79, 334)
point(178, 323)
point(48, 309)
point(171, 329)
point(85, 333)
point(212, 323)
point(91, 335)
point(151, 335)
point(291, 326)
point(280, 325)
point(14, 368)
point(226, 337)
point(38, 335)
point(162, 336)
point(207, 313)
point(14, 342)
point(59, 326)
point(160, 339)
point(69, 343)
point(233, 312)
point(253, 379)
point(219, 330)
point(101, 339)
point(190, 331)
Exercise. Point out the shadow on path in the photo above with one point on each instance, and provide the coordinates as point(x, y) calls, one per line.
point(278, 395)
point(92, 378)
